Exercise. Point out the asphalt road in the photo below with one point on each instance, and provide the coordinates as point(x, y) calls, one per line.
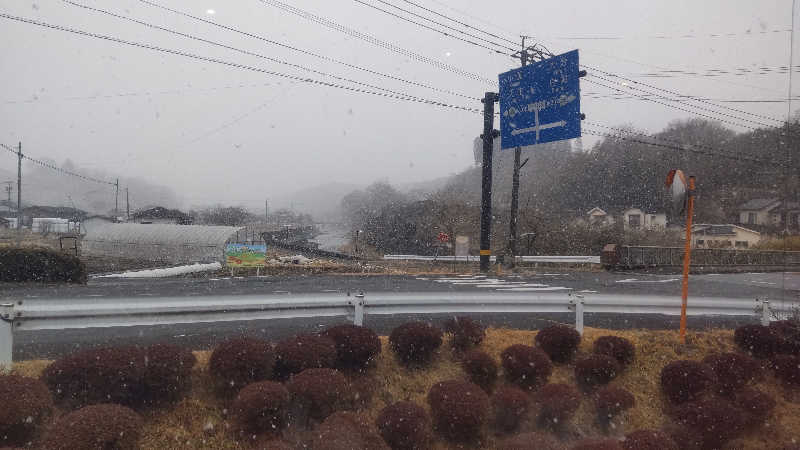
point(52, 343)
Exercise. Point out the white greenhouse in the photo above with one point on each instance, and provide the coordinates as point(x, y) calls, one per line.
point(158, 242)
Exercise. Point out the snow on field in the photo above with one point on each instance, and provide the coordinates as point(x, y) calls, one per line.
point(166, 272)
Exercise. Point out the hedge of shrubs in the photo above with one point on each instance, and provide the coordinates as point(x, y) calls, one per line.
point(306, 351)
point(611, 401)
point(405, 426)
point(510, 404)
point(459, 409)
point(319, 393)
point(527, 367)
point(530, 441)
point(238, 362)
point(346, 431)
point(415, 342)
point(732, 370)
point(686, 380)
point(356, 347)
point(261, 407)
point(102, 426)
point(480, 368)
point(26, 404)
point(649, 440)
point(560, 342)
point(40, 264)
point(557, 404)
point(129, 375)
point(466, 332)
point(596, 370)
point(616, 347)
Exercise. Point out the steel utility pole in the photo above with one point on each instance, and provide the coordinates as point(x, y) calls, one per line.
point(116, 199)
point(19, 186)
point(127, 205)
point(512, 227)
point(489, 133)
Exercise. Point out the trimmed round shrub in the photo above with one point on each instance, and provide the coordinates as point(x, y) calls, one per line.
point(616, 347)
point(789, 336)
point(261, 407)
point(98, 375)
point(459, 409)
point(510, 404)
point(405, 426)
point(560, 342)
point(306, 351)
point(466, 332)
point(40, 264)
point(685, 380)
point(756, 406)
point(238, 362)
point(787, 369)
point(757, 340)
point(26, 403)
point(611, 401)
point(649, 440)
point(715, 420)
point(480, 368)
point(356, 347)
point(683, 436)
point(318, 393)
point(346, 431)
point(598, 444)
point(526, 366)
point(732, 370)
point(103, 426)
point(530, 441)
point(167, 374)
point(557, 403)
point(415, 342)
point(596, 370)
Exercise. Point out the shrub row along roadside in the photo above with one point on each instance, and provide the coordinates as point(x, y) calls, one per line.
point(309, 390)
point(41, 265)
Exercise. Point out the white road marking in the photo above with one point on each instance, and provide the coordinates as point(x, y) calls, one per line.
point(536, 289)
point(635, 280)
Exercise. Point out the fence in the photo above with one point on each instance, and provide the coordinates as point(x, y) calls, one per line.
point(637, 257)
point(53, 314)
point(473, 258)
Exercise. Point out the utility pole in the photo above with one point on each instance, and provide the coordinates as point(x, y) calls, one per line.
point(489, 133)
point(127, 205)
point(512, 227)
point(266, 210)
point(19, 187)
point(116, 199)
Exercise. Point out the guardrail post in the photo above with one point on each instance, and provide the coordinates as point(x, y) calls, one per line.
point(358, 309)
point(765, 312)
point(6, 336)
point(577, 306)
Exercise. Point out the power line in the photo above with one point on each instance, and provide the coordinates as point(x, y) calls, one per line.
point(237, 65)
point(56, 168)
point(737, 71)
point(459, 22)
point(228, 47)
point(747, 33)
point(307, 52)
point(413, 14)
point(375, 41)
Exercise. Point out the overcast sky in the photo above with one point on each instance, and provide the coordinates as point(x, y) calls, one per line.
point(220, 134)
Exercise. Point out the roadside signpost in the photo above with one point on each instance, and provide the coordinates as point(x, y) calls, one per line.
point(246, 255)
point(682, 200)
point(540, 102)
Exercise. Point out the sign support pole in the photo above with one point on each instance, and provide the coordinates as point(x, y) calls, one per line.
point(512, 227)
point(486, 188)
point(687, 256)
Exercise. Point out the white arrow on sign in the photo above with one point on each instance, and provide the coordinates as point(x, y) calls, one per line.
point(538, 106)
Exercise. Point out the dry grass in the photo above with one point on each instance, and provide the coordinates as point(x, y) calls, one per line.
point(199, 421)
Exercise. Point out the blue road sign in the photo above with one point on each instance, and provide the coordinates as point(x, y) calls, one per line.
point(541, 102)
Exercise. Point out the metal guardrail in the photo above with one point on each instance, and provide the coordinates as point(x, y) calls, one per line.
point(47, 314)
point(473, 258)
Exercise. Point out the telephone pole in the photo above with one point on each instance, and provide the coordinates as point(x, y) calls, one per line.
point(19, 187)
point(127, 205)
point(489, 133)
point(512, 227)
point(116, 199)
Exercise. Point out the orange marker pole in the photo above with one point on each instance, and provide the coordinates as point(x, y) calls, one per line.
point(687, 257)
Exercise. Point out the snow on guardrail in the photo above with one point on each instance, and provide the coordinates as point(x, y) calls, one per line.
point(165, 272)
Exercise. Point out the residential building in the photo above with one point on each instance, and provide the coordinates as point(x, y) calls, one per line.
point(724, 236)
point(598, 217)
point(770, 212)
point(638, 219)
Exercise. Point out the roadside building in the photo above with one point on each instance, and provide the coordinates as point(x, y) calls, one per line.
point(771, 213)
point(724, 236)
point(638, 219)
point(599, 217)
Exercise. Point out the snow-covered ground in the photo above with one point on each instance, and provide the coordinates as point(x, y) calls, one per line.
point(165, 272)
